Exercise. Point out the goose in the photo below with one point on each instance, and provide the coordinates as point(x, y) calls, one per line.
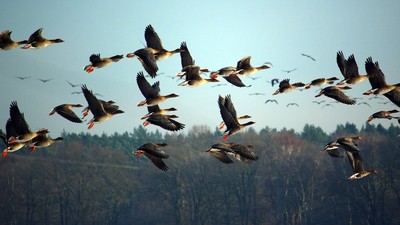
point(220, 151)
point(37, 41)
point(193, 77)
point(97, 108)
point(11, 132)
point(156, 110)
point(97, 62)
point(21, 127)
point(243, 153)
point(383, 115)
point(357, 164)
point(65, 111)
point(321, 82)
point(147, 59)
point(285, 86)
point(378, 83)
point(153, 152)
point(6, 43)
point(151, 92)
point(166, 122)
point(43, 141)
point(154, 42)
point(336, 93)
point(349, 70)
point(228, 114)
point(246, 68)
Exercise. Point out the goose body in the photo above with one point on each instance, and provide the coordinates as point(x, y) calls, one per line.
point(65, 110)
point(6, 43)
point(153, 152)
point(336, 93)
point(154, 42)
point(97, 108)
point(349, 70)
point(97, 62)
point(37, 41)
point(151, 92)
point(246, 68)
point(229, 116)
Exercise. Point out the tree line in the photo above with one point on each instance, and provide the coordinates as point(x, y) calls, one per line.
point(95, 179)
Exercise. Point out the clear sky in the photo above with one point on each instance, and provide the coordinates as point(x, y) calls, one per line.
point(218, 34)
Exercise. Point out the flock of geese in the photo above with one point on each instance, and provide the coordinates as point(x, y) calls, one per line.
point(18, 134)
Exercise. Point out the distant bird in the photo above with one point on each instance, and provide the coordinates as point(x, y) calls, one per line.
point(6, 43)
point(21, 127)
point(384, 103)
point(42, 141)
point(172, 77)
point(349, 70)
point(274, 81)
point(383, 115)
point(154, 42)
point(97, 108)
point(364, 103)
point(268, 63)
point(321, 82)
point(285, 86)
point(65, 111)
point(375, 97)
point(37, 41)
point(289, 71)
point(45, 80)
point(153, 152)
point(271, 100)
point(74, 85)
point(378, 83)
point(254, 78)
point(319, 102)
point(326, 105)
point(257, 93)
point(151, 92)
point(218, 85)
point(97, 62)
point(308, 56)
point(22, 78)
point(336, 93)
point(229, 116)
point(293, 103)
point(246, 68)
point(166, 122)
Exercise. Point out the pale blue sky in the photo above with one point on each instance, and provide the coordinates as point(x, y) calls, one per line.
point(218, 35)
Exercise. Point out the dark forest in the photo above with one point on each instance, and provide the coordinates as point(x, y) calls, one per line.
point(91, 179)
